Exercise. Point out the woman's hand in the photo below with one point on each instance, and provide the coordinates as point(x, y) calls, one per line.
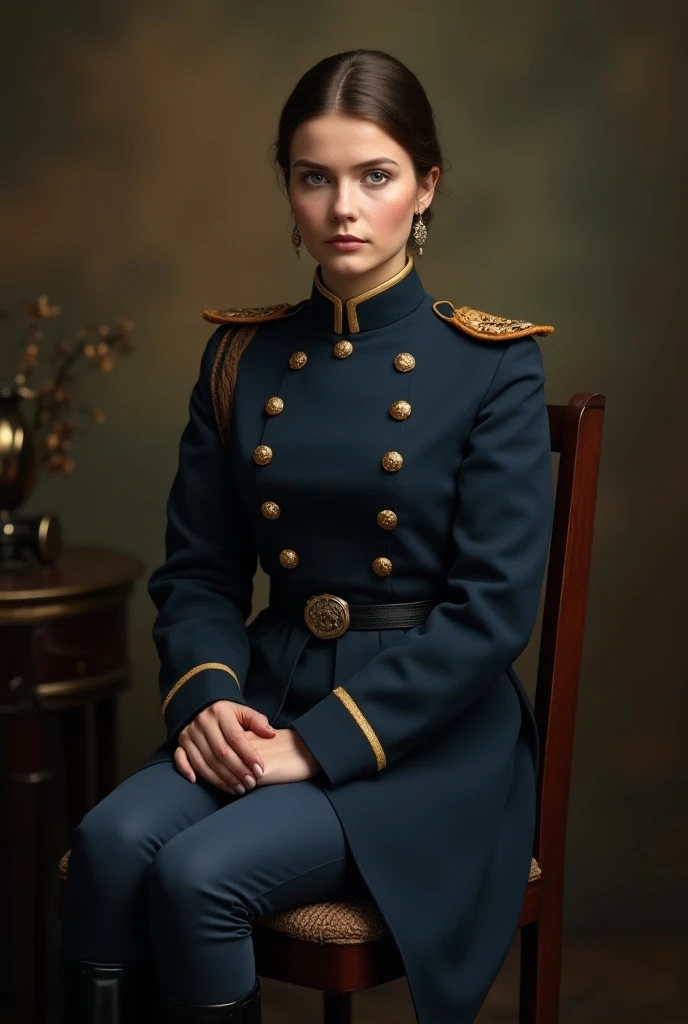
point(287, 758)
point(217, 745)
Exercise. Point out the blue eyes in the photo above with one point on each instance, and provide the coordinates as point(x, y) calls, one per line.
point(310, 174)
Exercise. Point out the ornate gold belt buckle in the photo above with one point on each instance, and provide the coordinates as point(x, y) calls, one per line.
point(327, 616)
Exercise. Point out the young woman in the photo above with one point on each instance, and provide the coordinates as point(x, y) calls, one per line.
point(387, 458)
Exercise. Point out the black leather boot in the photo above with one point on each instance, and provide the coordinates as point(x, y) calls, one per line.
point(242, 1011)
point(115, 993)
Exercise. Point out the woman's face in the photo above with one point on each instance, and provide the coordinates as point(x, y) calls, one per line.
point(347, 176)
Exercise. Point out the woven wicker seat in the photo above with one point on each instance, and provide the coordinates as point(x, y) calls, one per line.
point(347, 921)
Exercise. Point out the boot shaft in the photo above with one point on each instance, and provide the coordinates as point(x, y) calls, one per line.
point(112, 993)
point(243, 1011)
point(127, 993)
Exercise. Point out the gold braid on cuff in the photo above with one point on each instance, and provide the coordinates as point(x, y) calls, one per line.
point(192, 672)
point(363, 723)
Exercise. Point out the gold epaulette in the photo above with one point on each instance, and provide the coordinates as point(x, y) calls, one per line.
point(488, 327)
point(252, 315)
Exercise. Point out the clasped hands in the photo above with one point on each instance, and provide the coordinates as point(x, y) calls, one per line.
point(230, 745)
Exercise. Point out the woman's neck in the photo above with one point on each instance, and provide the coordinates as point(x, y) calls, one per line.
point(348, 286)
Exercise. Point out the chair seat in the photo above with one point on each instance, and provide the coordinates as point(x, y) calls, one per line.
point(343, 922)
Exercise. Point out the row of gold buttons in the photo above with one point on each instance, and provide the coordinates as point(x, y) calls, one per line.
point(391, 461)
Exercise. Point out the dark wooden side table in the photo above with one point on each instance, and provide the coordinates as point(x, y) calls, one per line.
point(63, 660)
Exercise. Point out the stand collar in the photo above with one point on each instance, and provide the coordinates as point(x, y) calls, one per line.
point(386, 303)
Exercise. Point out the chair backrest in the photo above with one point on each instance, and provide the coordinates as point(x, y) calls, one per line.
point(576, 433)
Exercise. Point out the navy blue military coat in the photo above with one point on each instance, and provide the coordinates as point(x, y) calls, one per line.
point(385, 449)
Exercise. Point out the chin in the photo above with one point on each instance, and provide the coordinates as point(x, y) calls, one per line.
point(361, 259)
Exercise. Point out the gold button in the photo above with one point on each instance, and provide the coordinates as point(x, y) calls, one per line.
point(387, 519)
point(342, 349)
point(392, 461)
point(288, 558)
point(271, 510)
point(297, 360)
point(274, 406)
point(262, 455)
point(382, 567)
point(400, 410)
point(404, 362)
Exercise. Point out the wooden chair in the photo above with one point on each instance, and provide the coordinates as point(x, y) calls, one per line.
point(345, 947)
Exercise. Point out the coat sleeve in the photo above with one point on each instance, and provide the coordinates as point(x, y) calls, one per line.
point(501, 532)
point(204, 588)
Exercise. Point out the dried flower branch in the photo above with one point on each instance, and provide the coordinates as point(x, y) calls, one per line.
point(93, 349)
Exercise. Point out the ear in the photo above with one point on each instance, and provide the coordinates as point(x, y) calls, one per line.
point(426, 189)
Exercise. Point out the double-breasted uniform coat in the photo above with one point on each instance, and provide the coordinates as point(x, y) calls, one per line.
point(386, 449)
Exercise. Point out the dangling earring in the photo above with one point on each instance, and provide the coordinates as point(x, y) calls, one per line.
point(296, 240)
point(420, 233)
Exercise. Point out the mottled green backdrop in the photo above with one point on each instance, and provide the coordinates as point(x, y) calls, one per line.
point(135, 177)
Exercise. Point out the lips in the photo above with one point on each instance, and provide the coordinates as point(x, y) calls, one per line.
point(345, 238)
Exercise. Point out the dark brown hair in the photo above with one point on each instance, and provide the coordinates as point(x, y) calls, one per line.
point(372, 85)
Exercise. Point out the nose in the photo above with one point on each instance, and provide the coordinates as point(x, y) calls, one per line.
point(343, 205)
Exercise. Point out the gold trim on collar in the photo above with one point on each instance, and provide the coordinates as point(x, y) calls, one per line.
point(351, 312)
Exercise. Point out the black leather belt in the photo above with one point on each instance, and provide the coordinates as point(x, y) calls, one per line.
point(329, 616)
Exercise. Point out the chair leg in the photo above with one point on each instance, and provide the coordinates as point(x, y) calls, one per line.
point(540, 971)
point(336, 1008)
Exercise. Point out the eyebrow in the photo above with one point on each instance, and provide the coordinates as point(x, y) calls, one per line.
point(356, 167)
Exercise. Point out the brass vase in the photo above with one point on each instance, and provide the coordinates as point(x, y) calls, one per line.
point(18, 452)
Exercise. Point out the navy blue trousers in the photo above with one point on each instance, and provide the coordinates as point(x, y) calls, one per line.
point(176, 871)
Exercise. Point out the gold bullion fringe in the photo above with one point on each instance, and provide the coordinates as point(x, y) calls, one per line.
point(224, 373)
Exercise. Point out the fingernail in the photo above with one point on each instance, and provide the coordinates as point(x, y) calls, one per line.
point(240, 788)
point(250, 781)
point(257, 770)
